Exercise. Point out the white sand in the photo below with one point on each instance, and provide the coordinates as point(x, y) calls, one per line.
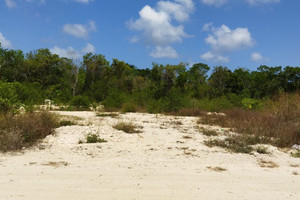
point(155, 164)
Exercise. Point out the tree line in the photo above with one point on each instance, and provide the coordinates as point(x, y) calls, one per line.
point(32, 77)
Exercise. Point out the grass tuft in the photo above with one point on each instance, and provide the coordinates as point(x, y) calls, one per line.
point(93, 138)
point(127, 127)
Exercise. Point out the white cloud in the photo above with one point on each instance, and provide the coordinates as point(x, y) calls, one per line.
point(84, 1)
point(223, 2)
point(71, 53)
point(80, 30)
point(89, 48)
point(164, 52)
point(156, 24)
point(209, 56)
point(223, 40)
point(180, 9)
point(256, 2)
point(10, 3)
point(257, 57)
point(214, 2)
point(4, 42)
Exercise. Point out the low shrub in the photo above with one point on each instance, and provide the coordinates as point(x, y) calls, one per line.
point(80, 103)
point(127, 127)
point(278, 121)
point(25, 130)
point(66, 123)
point(93, 138)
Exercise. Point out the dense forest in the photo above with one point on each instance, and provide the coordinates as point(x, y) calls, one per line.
point(29, 79)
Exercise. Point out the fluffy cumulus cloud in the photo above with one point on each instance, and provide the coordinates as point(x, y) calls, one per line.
point(164, 52)
point(223, 2)
point(80, 30)
point(71, 53)
point(157, 25)
point(10, 3)
point(223, 40)
point(4, 42)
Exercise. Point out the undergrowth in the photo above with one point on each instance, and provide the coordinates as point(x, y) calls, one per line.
point(18, 131)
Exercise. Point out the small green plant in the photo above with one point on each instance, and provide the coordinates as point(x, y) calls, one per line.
point(93, 138)
point(296, 154)
point(127, 127)
point(262, 150)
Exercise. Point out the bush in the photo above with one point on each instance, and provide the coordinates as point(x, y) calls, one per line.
point(80, 102)
point(93, 138)
point(25, 130)
point(127, 127)
point(129, 107)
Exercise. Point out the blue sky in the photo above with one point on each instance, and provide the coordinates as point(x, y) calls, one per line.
point(232, 33)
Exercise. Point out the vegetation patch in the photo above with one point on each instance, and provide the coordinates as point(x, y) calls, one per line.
point(236, 143)
point(262, 150)
point(127, 127)
point(296, 154)
point(92, 138)
point(278, 120)
point(267, 164)
point(112, 115)
point(208, 132)
point(25, 130)
point(217, 169)
point(66, 123)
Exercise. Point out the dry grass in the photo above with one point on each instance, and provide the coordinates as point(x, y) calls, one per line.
point(127, 127)
point(295, 173)
point(267, 164)
point(25, 130)
point(279, 121)
point(208, 132)
point(112, 115)
point(237, 143)
point(217, 169)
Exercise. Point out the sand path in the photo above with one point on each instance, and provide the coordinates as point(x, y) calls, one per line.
point(159, 163)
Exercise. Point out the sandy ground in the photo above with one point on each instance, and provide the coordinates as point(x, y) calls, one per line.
point(159, 163)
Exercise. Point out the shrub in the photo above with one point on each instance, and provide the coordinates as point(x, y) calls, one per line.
point(66, 123)
point(80, 102)
point(278, 121)
point(127, 127)
point(93, 138)
point(25, 130)
point(129, 107)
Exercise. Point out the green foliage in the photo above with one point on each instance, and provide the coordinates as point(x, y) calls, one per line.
point(80, 102)
point(93, 138)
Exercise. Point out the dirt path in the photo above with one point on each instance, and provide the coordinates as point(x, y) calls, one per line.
point(168, 160)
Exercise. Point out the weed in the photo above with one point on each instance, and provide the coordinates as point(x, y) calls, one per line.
point(66, 123)
point(217, 169)
point(187, 137)
point(262, 150)
point(294, 165)
point(112, 115)
point(208, 132)
point(267, 164)
point(296, 154)
point(93, 138)
point(295, 173)
point(127, 127)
